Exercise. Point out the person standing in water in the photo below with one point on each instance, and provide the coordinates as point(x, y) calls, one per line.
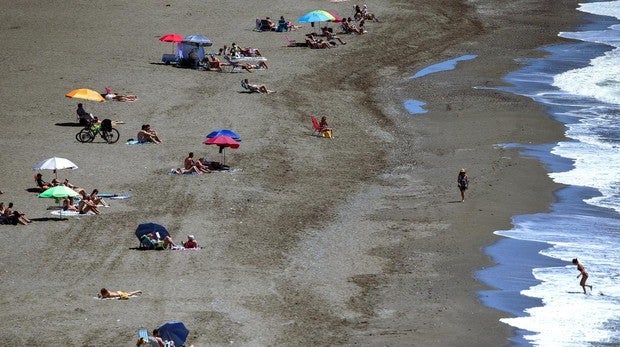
point(583, 273)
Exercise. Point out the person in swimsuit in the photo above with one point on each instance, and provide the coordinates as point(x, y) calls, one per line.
point(463, 182)
point(106, 294)
point(584, 275)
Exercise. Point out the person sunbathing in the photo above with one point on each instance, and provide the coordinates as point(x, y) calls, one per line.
point(15, 217)
point(107, 294)
point(69, 205)
point(86, 205)
point(191, 242)
point(261, 88)
point(329, 34)
point(313, 42)
point(96, 199)
point(349, 26)
point(118, 97)
point(215, 64)
point(41, 183)
point(156, 243)
point(190, 163)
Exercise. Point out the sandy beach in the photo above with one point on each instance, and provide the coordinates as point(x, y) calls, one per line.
point(357, 240)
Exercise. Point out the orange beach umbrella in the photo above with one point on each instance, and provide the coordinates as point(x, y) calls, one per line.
point(86, 94)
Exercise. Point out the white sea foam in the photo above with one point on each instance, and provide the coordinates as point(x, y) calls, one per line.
point(588, 99)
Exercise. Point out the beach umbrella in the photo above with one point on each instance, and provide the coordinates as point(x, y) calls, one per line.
point(316, 16)
point(174, 331)
point(172, 37)
point(197, 40)
point(222, 142)
point(148, 228)
point(224, 132)
point(58, 192)
point(55, 164)
point(337, 18)
point(86, 94)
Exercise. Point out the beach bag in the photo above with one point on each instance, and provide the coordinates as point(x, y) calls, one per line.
point(327, 134)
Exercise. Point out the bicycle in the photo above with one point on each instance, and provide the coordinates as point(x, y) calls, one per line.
point(104, 130)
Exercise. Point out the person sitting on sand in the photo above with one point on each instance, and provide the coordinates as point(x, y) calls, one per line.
point(215, 64)
point(159, 244)
point(260, 87)
point(191, 242)
point(189, 162)
point(41, 183)
point(118, 97)
point(329, 34)
point(69, 205)
point(96, 199)
point(86, 205)
point(250, 52)
point(84, 117)
point(314, 42)
point(15, 217)
point(349, 26)
point(145, 135)
point(107, 294)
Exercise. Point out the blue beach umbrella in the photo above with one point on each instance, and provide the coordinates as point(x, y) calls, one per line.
point(174, 331)
point(147, 228)
point(224, 132)
point(197, 40)
point(316, 16)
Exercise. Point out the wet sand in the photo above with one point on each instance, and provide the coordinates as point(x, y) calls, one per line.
point(361, 239)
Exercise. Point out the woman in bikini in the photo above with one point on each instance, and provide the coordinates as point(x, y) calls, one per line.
point(584, 275)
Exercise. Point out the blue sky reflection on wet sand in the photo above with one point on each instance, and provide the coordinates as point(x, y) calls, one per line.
point(416, 106)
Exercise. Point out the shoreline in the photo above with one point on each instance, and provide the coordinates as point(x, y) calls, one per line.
point(285, 262)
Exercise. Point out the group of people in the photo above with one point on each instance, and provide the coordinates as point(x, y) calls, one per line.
point(363, 13)
point(87, 203)
point(198, 166)
point(155, 242)
point(268, 24)
point(43, 185)
point(8, 215)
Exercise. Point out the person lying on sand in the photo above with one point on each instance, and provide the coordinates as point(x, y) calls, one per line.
point(106, 294)
point(118, 97)
point(260, 87)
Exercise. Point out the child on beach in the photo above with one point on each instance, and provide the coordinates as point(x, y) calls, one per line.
point(584, 275)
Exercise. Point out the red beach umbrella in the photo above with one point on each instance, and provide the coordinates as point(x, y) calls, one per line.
point(222, 142)
point(172, 37)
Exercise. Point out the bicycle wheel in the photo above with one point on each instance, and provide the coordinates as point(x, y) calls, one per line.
point(110, 136)
point(84, 136)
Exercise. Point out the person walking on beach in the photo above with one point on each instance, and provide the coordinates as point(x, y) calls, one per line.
point(463, 182)
point(584, 275)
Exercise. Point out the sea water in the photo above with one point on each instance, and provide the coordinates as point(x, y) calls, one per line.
point(534, 281)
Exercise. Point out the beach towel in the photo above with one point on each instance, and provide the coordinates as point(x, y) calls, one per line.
point(114, 196)
point(63, 213)
point(136, 142)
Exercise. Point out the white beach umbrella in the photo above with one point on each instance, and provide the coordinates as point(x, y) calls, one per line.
point(55, 163)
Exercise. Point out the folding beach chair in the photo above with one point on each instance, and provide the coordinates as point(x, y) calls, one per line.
point(315, 126)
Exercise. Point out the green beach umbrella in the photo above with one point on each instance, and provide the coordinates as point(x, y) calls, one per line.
point(58, 192)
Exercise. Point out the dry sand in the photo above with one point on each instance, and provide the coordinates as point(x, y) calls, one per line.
point(359, 240)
